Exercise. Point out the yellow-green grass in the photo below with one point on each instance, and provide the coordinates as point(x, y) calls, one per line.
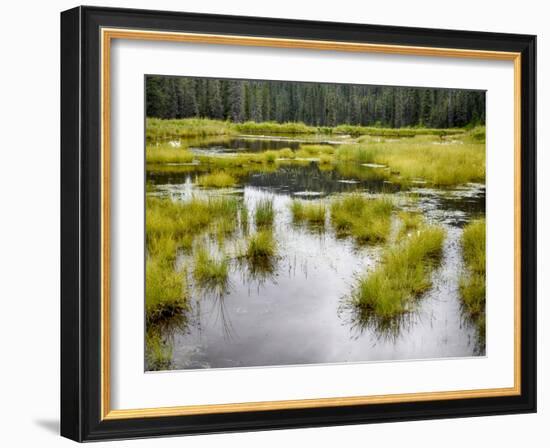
point(217, 179)
point(159, 129)
point(264, 213)
point(170, 226)
point(209, 270)
point(311, 213)
point(393, 132)
point(243, 214)
point(158, 353)
point(409, 160)
point(182, 221)
point(367, 220)
point(472, 283)
point(165, 153)
point(165, 290)
point(403, 275)
point(271, 156)
point(260, 246)
point(409, 222)
point(272, 127)
point(356, 153)
point(309, 150)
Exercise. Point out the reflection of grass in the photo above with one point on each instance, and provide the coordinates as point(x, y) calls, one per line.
point(218, 179)
point(472, 284)
point(209, 271)
point(404, 273)
point(311, 213)
point(264, 213)
point(158, 353)
point(260, 246)
point(166, 154)
point(367, 220)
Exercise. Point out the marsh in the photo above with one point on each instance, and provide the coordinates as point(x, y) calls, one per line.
point(287, 244)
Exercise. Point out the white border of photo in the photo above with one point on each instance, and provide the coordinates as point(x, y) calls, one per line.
point(132, 387)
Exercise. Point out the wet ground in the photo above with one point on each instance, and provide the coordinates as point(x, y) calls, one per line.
point(297, 311)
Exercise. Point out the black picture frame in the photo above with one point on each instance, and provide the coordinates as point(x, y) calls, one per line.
point(81, 224)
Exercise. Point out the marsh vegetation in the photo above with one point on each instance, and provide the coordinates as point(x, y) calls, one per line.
point(289, 242)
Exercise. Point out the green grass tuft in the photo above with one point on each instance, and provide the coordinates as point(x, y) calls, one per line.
point(366, 220)
point(260, 246)
point(404, 274)
point(165, 290)
point(218, 179)
point(310, 213)
point(158, 353)
point(209, 271)
point(165, 153)
point(472, 283)
point(264, 214)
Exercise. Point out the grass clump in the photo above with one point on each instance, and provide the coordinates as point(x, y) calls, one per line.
point(264, 213)
point(410, 222)
point(165, 290)
point(260, 246)
point(310, 213)
point(158, 353)
point(167, 154)
point(272, 127)
point(160, 129)
point(180, 222)
point(404, 273)
point(218, 179)
point(472, 283)
point(367, 220)
point(209, 271)
point(378, 131)
point(356, 153)
point(436, 161)
point(271, 156)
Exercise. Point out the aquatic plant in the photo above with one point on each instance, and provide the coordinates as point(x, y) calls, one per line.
point(271, 156)
point(367, 220)
point(208, 270)
point(180, 222)
point(403, 274)
point(312, 213)
point(273, 127)
point(355, 153)
point(158, 352)
point(409, 222)
point(260, 246)
point(165, 290)
point(472, 282)
point(161, 129)
point(165, 153)
point(264, 213)
point(218, 179)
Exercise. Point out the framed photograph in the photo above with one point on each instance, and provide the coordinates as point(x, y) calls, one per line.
point(273, 223)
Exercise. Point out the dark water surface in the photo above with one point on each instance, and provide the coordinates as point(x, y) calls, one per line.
point(297, 312)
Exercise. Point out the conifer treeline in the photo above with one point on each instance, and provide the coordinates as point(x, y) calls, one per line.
point(315, 104)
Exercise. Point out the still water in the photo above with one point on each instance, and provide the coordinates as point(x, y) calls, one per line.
point(297, 311)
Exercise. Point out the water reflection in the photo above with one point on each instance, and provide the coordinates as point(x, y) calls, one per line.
point(293, 308)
